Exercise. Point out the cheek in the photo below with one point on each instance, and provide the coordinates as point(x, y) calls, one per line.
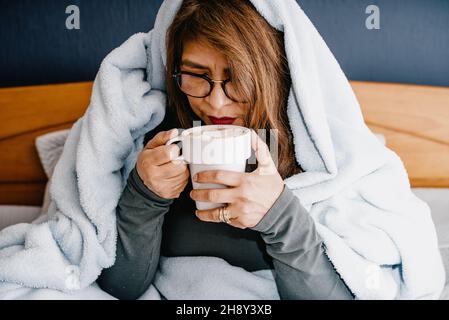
point(195, 106)
point(244, 109)
point(239, 122)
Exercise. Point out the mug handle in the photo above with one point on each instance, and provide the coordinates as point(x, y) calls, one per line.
point(173, 140)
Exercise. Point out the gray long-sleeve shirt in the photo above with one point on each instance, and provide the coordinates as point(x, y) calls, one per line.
point(285, 239)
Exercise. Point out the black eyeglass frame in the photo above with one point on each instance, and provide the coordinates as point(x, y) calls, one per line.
point(177, 75)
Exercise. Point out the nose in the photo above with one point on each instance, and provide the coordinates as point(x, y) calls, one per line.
point(217, 98)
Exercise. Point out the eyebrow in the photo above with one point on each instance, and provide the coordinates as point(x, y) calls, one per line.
point(195, 65)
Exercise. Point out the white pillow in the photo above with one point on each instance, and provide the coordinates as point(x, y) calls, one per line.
point(49, 148)
point(11, 214)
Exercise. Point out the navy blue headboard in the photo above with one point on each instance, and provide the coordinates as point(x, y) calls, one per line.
point(411, 46)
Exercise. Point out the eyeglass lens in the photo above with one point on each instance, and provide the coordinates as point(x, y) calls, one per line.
point(199, 87)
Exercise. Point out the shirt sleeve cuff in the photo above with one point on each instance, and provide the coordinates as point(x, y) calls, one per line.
point(278, 208)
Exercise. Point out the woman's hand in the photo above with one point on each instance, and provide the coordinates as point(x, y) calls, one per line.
point(249, 196)
point(164, 177)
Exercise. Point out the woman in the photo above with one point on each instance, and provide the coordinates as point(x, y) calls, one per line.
point(225, 64)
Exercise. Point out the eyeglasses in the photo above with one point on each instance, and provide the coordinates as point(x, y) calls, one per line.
point(200, 85)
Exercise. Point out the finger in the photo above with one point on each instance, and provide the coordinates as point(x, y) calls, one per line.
point(210, 215)
point(163, 154)
point(262, 152)
point(228, 178)
point(179, 188)
point(225, 195)
point(171, 169)
point(182, 183)
point(161, 138)
point(213, 215)
point(183, 176)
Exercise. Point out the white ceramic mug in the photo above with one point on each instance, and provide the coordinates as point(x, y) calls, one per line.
point(214, 147)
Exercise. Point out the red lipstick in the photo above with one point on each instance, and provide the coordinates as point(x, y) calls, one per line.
point(224, 120)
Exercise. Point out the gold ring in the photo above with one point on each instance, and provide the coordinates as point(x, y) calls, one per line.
point(226, 217)
point(221, 214)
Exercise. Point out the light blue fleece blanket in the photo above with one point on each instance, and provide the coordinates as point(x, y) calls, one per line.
point(379, 236)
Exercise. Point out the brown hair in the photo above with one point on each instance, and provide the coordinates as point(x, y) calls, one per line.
point(257, 62)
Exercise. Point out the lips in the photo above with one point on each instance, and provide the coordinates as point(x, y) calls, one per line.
point(224, 120)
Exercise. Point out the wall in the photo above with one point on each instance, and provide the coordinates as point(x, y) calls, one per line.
point(36, 48)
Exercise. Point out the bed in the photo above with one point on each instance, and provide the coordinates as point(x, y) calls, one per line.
point(413, 120)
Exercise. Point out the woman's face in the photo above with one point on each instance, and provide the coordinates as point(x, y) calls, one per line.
point(198, 57)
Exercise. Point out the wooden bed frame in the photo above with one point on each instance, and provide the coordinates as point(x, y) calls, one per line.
point(414, 120)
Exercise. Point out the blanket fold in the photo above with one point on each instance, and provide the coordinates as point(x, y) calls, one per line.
point(379, 236)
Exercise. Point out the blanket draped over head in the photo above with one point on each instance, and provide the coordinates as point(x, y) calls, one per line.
point(378, 235)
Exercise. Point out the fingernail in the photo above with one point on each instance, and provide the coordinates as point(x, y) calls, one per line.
point(195, 177)
point(196, 213)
